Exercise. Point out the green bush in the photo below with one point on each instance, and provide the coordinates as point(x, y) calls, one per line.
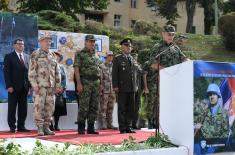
point(57, 21)
point(227, 30)
point(129, 144)
point(93, 27)
point(145, 28)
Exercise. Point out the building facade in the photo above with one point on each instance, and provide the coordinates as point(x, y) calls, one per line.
point(124, 13)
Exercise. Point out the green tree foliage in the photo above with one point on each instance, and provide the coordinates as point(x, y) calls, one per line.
point(227, 29)
point(57, 21)
point(165, 8)
point(209, 13)
point(70, 7)
point(4, 5)
point(229, 6)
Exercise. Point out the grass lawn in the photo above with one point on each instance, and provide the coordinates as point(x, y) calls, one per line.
point(207, 47)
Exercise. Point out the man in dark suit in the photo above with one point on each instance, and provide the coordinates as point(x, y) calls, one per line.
point(16, 78)
point(123, 84)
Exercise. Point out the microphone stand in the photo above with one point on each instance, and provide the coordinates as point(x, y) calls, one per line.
point(157, 57)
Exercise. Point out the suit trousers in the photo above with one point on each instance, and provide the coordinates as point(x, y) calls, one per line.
point(17, 98)
point(125, 109)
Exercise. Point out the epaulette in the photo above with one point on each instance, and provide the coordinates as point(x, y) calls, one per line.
point(35, 52)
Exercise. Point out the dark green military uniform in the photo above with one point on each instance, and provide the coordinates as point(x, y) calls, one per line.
point(88, 64)
point(123, 79)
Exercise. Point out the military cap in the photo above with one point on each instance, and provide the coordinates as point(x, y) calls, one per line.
point(126, 41)
point(45, 36)
point(109, 53)
point(90, 37)
point(169, 29)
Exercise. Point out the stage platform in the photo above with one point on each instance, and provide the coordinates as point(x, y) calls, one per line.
point(71, 136)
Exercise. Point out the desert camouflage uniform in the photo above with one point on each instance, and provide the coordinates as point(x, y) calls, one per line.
point(88, 64)
point(107, 96)
point(44, 73)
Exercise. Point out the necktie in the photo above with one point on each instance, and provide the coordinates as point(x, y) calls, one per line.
point(21, 60)
point(129, 59)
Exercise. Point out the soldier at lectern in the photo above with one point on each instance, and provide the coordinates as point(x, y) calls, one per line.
point(165, 53)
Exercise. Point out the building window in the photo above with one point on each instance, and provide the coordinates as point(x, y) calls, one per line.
point(132, 23)
point(117, 20)
point(95, 17)
point(133, 3)
point(117, 0)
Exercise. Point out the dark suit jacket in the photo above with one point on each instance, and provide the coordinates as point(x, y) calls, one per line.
point(15, 74)
point(123, 74)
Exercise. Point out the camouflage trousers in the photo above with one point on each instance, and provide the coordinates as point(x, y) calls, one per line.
point(44, 105)
point(151, 104)
point(89, 102)
point(106, 108)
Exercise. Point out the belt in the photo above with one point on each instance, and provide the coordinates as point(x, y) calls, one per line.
point(90, 77)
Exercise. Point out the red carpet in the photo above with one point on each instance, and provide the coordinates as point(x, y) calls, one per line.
point(71, 136)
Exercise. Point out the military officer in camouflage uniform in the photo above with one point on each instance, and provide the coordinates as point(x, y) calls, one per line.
point(107, 93)
point(213, 119)
point(123, 84)
point(44, 76)
point(169, 58)
point(138, 86)
point(150, 91)
point(87, 74)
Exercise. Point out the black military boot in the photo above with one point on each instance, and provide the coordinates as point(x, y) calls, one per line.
point(81, 128)
point(91, 129)
point(150, 124)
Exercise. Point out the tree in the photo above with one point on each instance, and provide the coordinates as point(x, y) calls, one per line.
point(165, 8)
point(168, 9)
point(229, 6)
point(190, 9)
point(57, 21)
point(227, 29)
point(4, 5)
point(209, 15)
point(70, 7)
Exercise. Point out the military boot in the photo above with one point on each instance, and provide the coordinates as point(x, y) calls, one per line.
point(81, 128)
point(40, 131)
point(103, 125)
point(110, 126)
point(91, 129)
point(47, 131)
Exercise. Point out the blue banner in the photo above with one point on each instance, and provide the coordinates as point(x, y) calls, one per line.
point(214, 107)
point(14, 26)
